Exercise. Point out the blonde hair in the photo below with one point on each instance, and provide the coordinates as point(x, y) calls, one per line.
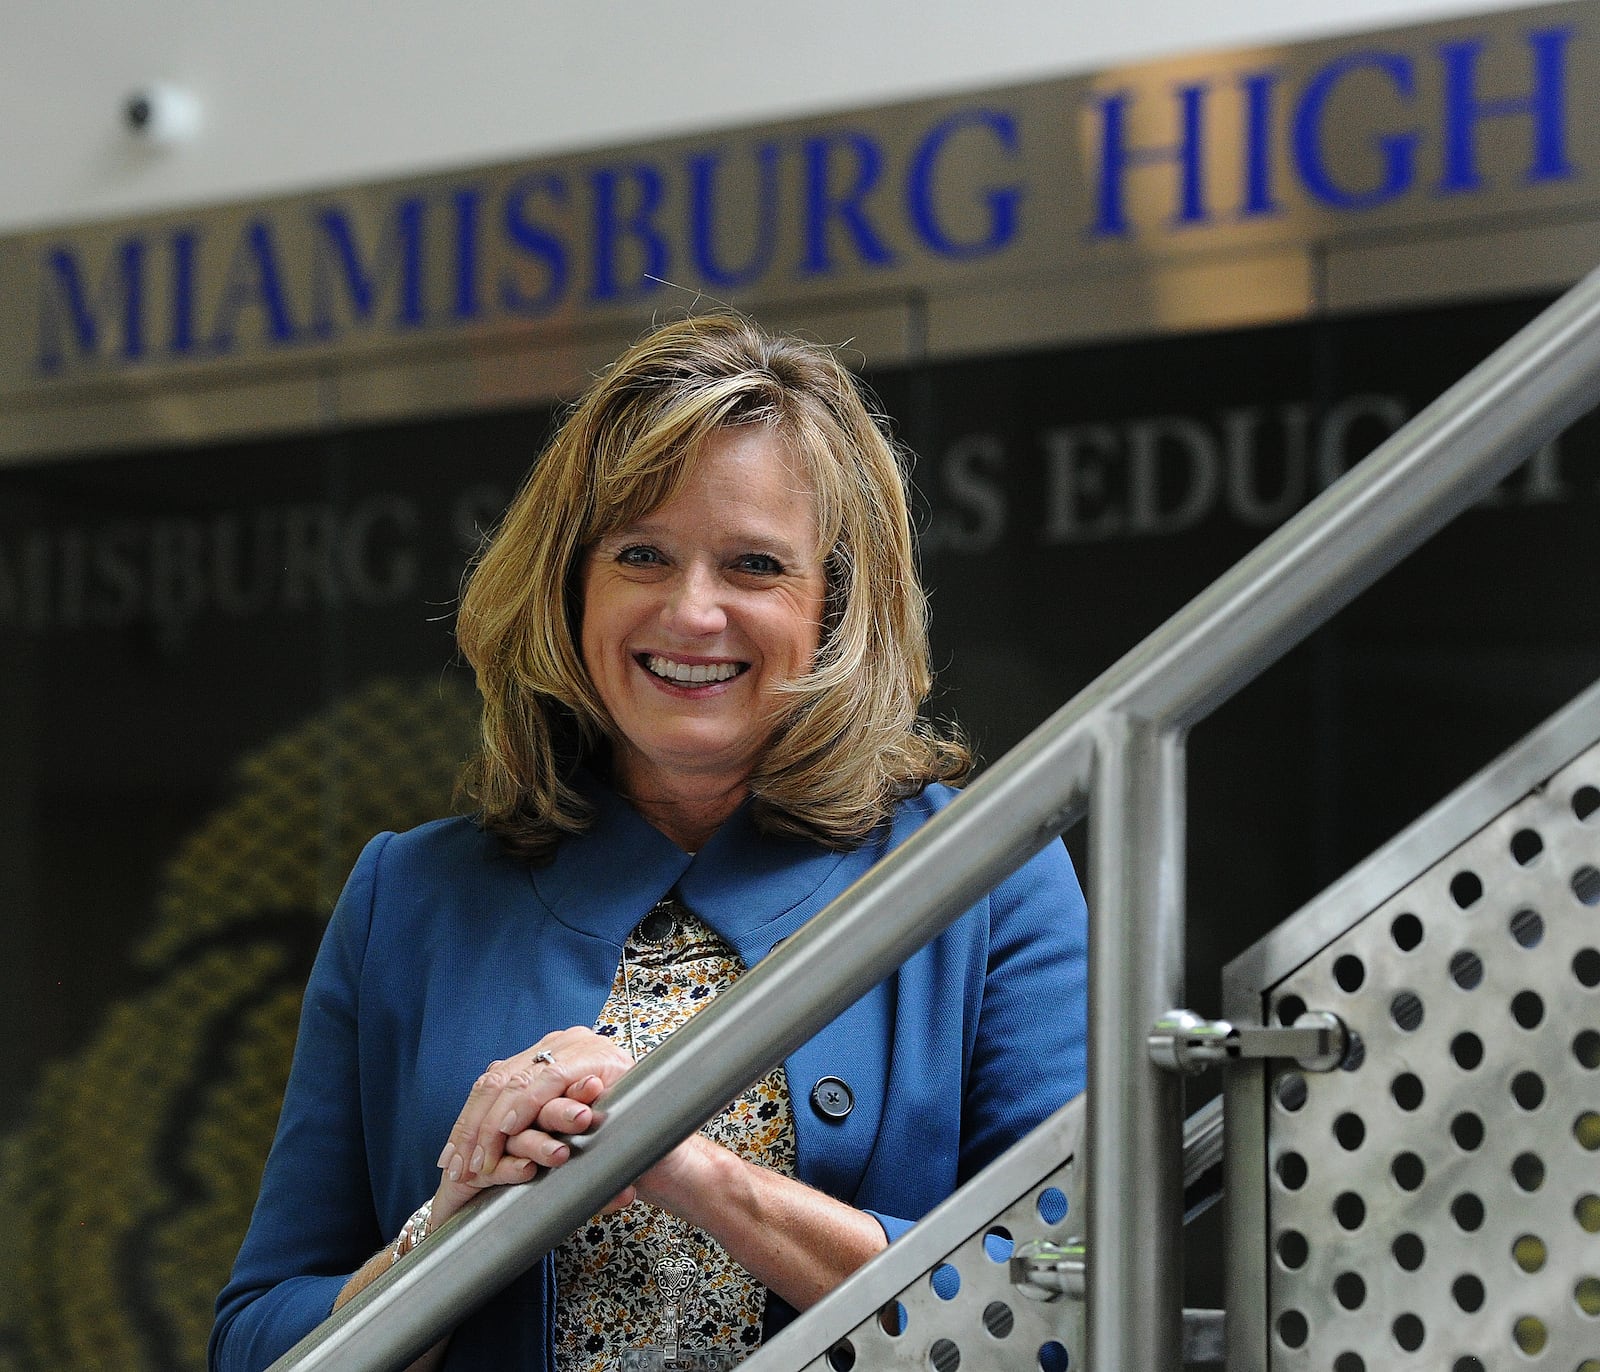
point(850, 742)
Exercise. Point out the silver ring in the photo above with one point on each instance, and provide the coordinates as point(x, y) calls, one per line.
point(545, 1055)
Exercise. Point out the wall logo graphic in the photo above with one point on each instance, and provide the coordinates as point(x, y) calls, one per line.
point(130, 1183)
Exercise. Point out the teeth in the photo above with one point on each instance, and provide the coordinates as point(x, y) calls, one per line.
point(691, 675)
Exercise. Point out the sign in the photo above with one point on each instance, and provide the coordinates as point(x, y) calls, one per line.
point(1467, 121)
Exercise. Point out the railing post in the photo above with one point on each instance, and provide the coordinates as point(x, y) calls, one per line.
point(1136, 820)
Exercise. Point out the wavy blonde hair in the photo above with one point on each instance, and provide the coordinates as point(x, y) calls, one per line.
point(850, 742)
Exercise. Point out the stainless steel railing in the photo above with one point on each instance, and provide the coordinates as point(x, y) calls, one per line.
point(1118, 747)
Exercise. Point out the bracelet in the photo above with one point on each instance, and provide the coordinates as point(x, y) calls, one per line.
point(412, 1232)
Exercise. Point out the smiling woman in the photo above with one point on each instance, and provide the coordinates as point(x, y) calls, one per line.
point(846, 740)
point(702, 651)
point(695, 618)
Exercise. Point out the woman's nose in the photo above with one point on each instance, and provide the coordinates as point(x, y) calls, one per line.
point(694, 607)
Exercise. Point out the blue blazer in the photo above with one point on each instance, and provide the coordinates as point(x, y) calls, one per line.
point(444, 953)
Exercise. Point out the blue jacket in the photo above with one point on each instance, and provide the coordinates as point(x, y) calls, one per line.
point(443, 954)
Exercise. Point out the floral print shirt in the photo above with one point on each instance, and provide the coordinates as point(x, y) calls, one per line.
point(673, 965)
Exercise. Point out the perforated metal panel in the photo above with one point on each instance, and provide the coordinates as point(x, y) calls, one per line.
point(1436, 1204)
point(959, 1308)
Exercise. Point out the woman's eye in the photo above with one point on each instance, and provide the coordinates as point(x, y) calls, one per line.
point(760, 563)
point(639, 555)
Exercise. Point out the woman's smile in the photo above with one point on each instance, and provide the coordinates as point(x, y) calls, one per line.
point(679, 673)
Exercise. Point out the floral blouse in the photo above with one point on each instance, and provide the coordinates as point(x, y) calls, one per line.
point(673, 964)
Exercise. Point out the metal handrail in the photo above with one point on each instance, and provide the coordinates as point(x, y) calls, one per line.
point(1119, 741)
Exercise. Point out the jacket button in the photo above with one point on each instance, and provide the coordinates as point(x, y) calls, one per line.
point(832, 1098)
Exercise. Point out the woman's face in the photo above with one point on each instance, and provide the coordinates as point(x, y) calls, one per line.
point(693, 615)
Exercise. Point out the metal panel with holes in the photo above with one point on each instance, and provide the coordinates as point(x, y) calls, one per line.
point(942, 1298)
point(1436, 1203)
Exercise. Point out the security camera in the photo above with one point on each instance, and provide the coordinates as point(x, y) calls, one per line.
point(160, 114)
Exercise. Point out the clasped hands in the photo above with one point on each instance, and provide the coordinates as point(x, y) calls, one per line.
point(518, 1112)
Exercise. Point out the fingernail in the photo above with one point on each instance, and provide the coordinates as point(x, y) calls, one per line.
point(509, 1123)
point(526, 1164)
point(560, 1153)
point(477, 1158)
point(580, 1118)
point(455, 1167)
point(445, 1154)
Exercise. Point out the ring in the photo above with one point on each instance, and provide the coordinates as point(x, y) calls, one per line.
point(545, 1055)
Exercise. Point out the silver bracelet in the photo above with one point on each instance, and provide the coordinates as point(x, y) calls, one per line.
point(412, 1232)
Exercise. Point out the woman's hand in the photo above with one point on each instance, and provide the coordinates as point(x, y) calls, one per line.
point(542, 1093)
point(798, 1241)
point(517, 1110)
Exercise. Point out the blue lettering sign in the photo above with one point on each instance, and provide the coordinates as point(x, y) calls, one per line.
point(825, 203)
point(922, 184)
point(470, 253)
point(1545, 106)
point(1397, 151)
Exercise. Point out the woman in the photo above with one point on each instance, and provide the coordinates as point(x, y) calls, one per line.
point(701, 647)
